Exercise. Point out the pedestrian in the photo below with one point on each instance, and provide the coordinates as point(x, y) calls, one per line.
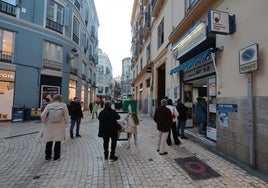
point(55, 118)
point(163, 119)
point(182, 109)
point(95, 110)
point(131, 121)
point(200, 114)
point(90, 107)
point(108, 129)
point(173, 129)
point(76, 116)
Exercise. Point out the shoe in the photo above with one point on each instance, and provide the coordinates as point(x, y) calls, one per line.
point(177, 143)
point(71, 137)
point(78, 135)
point(157, 150)
point(184, 137)
point(58, 159)
point(48, 158)
point(165, 153)
point(114, 158)
point(199, 135)
point(178, 134)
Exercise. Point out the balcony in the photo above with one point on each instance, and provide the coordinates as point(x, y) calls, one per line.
point(52, 65)
point(73, 70)
point(6, 56)
point(54, 26)
point(75, 38)
point(147, 25)
point(83, 76)
point(7, 8)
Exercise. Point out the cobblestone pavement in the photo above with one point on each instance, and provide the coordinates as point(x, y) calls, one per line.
point(23, 164)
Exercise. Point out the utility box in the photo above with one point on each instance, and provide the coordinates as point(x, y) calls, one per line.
point(18, 113)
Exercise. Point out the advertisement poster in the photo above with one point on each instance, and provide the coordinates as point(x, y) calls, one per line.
point(47, 93)
point(223, 119)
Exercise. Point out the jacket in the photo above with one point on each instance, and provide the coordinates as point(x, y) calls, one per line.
point(200, 114)
point(174, 112)
point(108, 126)
point(182, 109)
point(163, 118)
point(76, 110)
point(54, 131)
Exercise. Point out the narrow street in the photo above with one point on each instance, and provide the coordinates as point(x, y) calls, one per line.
point(83, 165)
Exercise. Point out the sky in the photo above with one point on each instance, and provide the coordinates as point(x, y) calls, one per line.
point(115, 30)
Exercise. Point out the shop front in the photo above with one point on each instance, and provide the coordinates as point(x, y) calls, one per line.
point(196, 72)
point(7, 80)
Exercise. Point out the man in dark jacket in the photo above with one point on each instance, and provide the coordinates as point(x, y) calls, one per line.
point(182, 109)
point(76, 115)
point(163, 119)
point(108, 128)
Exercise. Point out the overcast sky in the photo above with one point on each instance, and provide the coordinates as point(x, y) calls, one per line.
point(115, 30)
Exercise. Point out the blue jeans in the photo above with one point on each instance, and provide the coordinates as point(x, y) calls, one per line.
point(73, 121)
point(201, 125)
point(181, 125)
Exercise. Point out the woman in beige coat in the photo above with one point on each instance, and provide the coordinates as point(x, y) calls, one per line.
point(55, 117)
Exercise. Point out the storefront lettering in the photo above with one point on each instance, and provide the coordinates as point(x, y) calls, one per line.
point(7, 75)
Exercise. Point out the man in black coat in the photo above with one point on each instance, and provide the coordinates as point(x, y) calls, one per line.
point(108, 128)
point(76, 114)
point(163, 119)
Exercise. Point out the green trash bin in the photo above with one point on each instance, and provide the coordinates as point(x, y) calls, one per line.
point(129, 106)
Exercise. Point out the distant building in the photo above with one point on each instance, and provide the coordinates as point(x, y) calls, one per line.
point(47, 47)
point(126, 79)
point(104, 78)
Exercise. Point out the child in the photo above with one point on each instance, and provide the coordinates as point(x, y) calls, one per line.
point(131, 121)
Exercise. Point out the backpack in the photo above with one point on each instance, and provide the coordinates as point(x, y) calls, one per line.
point(55, 114)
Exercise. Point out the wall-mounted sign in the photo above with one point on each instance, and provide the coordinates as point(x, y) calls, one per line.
point(196, 35)
point(218, 22)
point(248, 59)
point(7, 76)
point(227, 107)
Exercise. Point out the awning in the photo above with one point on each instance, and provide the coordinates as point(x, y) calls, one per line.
point(196, 59)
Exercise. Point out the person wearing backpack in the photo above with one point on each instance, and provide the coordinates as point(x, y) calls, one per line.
point(76, 115)
point(55, 118)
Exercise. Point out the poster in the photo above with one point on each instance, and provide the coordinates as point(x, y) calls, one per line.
point(223, 119)
point(47, 93)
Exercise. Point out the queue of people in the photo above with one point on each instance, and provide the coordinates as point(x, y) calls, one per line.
point(169, 120)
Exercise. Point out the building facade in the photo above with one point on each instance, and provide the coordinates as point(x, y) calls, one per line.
point(126, 79)
point(192, 53)
point(47, 47)
point(104, 77)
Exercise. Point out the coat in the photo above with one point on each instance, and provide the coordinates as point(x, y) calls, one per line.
point(131, 127)
point(76, 110)
point(108, 126)
point(182, 109)
point(54, 131)
point(200, 113)
point(163, 118)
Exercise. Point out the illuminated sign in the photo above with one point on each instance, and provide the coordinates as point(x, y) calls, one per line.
point(7, 75)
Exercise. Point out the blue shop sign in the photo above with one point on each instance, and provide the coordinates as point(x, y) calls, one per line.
point(227, 107)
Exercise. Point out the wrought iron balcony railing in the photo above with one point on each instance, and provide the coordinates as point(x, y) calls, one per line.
point(54, 26)
point(6, 56)
point(7, 8)
point(52, 65)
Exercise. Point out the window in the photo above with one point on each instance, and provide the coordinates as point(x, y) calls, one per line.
point(55, 12)
point(190, 4)
point(52, 56)
point(84, 66)
point(141, 64)
point(100, 89)
point(160, 35)
point(55, 16)
point(6, 45)
point(108, 70)
point(76, 30)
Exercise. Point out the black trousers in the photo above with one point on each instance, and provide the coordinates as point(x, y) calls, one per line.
point(48, 151)
point(174, 133)
point(106, 141)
